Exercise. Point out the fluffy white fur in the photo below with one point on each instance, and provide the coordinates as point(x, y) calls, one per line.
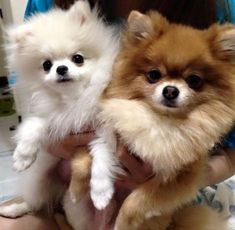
point(105, 167)
point(56, 108)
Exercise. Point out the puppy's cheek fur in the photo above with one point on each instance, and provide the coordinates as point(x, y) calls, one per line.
point(47, 77)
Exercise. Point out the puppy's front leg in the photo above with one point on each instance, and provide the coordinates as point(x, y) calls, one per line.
point(105, 167)
point(151, 205)
point(141, 210)
point(29, 138)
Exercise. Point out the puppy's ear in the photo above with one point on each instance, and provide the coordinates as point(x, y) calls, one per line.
point(224, 43)
point(139, 25)
point(80, 11)
point(19, 35)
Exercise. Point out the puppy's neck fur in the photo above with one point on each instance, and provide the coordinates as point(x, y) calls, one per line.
point(167, 143)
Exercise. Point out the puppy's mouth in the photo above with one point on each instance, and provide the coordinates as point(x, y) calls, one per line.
point(170, 104)
point(64, 79)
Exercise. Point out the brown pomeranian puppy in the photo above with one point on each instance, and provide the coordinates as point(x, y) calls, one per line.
point(171, 99)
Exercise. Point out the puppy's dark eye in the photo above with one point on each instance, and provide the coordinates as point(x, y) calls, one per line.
point(194, 81)
point(47, 65)
point(153, 76)
point(78, 59)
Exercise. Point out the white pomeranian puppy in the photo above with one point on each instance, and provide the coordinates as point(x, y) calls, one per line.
point(65, 59)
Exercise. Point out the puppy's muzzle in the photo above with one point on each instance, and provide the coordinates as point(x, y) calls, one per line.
point(62, 71)
point(170, 94)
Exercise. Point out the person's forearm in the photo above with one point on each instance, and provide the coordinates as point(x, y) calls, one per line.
point(231, 155)
point(221, 167)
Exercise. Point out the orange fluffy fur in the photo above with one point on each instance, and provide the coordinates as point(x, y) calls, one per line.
point(175, 141)
point(80, 166)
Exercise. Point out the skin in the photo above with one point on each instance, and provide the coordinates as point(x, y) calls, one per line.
point(221, 166)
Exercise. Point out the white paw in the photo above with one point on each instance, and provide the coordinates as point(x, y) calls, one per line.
point(101, 193)
point(23, 157)
point(14, 210)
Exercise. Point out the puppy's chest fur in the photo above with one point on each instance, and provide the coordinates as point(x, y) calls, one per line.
point(63, 116)
point(166, 143)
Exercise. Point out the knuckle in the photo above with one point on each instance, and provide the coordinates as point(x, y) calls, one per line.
point(120, 154)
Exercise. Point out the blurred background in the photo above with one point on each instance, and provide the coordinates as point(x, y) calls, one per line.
point(11, 101)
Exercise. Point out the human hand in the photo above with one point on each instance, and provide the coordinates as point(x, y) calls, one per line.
point(137, 171)
point(66, 148)
point(221, 166)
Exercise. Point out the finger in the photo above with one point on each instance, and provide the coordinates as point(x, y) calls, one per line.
point(133, 165)
point(82, 139)
point(64, 171)
point(126, 183)
point(63, 149)
point(67, 147)
point(221, 162)
point(147, 170)
point(61, 222)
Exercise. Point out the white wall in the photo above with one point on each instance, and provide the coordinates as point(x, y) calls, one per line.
point(3, 70)
point(13, 13)
point(6, 11)
point(13, 10)
point(18, 8)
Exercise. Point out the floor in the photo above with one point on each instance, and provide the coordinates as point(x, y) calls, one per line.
point(8, 177)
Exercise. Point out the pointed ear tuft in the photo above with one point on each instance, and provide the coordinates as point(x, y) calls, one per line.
point(80, 11)
point(19, 34)
point(228, 43)
point(139, 25)
point(224, 43)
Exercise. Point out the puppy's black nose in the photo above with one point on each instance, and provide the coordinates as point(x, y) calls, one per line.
point(170, 92)
point(62, 70)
